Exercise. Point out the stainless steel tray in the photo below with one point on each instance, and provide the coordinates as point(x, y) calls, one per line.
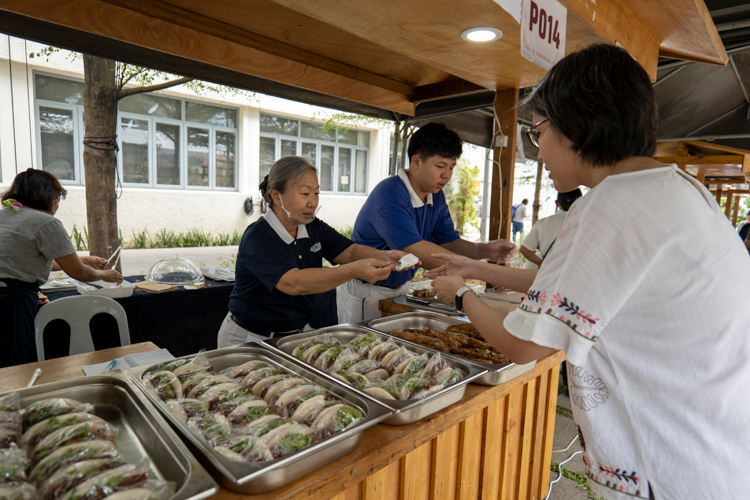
point(143, 433)
point(497, 373)
point(406, 411)
point(267, 476)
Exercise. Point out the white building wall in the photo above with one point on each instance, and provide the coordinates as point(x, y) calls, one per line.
point(179, 210)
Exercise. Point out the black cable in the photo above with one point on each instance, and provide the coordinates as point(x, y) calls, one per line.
point(28, 101)
point(12, 105)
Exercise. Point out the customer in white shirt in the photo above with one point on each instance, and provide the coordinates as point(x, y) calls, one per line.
point(540, 240)
point(657, 345)
point(520, 212)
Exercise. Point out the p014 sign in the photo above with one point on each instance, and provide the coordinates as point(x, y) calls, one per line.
point(543, 31)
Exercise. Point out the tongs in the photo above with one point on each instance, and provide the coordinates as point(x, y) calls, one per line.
point(110, 264)
point(437, 305)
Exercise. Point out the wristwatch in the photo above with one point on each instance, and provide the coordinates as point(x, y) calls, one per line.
point(459, 294)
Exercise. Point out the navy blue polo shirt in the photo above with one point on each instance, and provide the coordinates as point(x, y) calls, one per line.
point(267, 251)
point(393, 217)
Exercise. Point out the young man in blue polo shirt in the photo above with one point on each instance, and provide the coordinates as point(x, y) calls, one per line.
point(408, 212)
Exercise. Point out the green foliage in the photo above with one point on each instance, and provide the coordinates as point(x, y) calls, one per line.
point(462, 191)
point(231, 261)
point(345, 121)
point(562, 411)
point(140, 239)
point(80, 240)
point(347, 231)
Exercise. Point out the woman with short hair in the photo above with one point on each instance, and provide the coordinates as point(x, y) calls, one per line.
point(280, 260)
point(32, 244)
point(640, 291)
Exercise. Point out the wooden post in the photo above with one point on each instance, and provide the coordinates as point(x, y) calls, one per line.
point(537, 192)
point(719, 193)
point(736, 210)
point(728, 208)
point(506, 102)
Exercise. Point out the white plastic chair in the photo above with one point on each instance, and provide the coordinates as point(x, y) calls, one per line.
point(77, 312)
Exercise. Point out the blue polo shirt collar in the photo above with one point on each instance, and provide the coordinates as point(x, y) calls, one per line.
point(416, 201)
point(279, 228)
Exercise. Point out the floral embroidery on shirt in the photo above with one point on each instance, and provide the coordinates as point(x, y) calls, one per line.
point(537, 296)
point(614, 478)
point(562, 302)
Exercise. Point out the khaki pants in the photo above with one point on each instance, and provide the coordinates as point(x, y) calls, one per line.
point(231, 333)
point(357, 301)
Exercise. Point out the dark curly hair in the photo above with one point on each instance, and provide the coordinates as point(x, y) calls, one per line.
point(603, 101)
point(35, 189)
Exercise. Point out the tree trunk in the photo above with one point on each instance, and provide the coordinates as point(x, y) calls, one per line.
point(537, 192)
point(393, 167)
point(99, 158)
point(406, 133)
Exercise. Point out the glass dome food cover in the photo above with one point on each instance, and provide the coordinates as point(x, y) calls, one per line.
point(174, 271)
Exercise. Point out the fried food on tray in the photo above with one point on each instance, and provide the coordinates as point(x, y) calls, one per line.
point(466, 329)
point(420, 339)
point(424, 293)
point(461, 340)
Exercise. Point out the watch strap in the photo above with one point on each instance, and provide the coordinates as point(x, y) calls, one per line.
point(459, 297)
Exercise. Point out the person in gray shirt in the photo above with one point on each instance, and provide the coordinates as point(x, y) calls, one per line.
point(32, 244)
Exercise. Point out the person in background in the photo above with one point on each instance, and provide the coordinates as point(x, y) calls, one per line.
point(543, 234)
point(408, 212)
point(656, 343)
point(279, 266)
point(746, 241)
point(743, 227)
point(32, 244)
point(520, 212)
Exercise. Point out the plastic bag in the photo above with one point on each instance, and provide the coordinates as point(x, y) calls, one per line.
point(185, 408)
point(69, 454)
point(414, 366)
point(153, 489)
point(288, 438)
point(364, 340)
point(164, 383)
point(383, 390)
point(370, 368)
point(23, 491)
point(85, 431)
point(41, 430)
point(256, 375)
point(295, 394)
point(379, 351)
point(335, 419)
point(312, 354)
point(42, 410)
point(70, 476)
point(183, 368)
point(271, 390)
point(213, 427)
point(394, 360)
point(436, 363)
point(353, 379)
point(245, 368)
point(345, 359)
point(300, 351)
point(223, 391)
point(13, 465)
point(105, 483)
point(244, 449)
point(250, 411)
point(205, 384)
point(301, 409)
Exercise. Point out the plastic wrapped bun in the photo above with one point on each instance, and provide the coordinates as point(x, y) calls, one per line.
point(436, 363)
point(364, 340)
point(312, 354)
point(448, 376)
point(327, 358)
point(153, 489)
point(245, 368)
point(85, 431)
point(353, 379)
point(280, 387)
point(107, 482)
point(213, 395)
point(10, 402)
point(370, 368)
point(165, 384)
point(42, 410)
point(244, 449)
point(308, 407)
point(213, 427)
point(257, 375)
point(415, 365)
point(379, 351)
point(74, 474)
point(260, 387)
point(186, 408)
point(382, 390)
point(288, 439)
point(299, 351)
point(336, 419)
point(283, 399)
point(250, 411)
point(10, 420)
point(24, 491)
point(39, 431)
point(394, 359)
point(206, 384)
point(70, 454)
point(418, 388)
point(13, 465)
point(344, 360)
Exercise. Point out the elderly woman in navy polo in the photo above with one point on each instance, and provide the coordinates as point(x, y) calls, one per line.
point(280, 260)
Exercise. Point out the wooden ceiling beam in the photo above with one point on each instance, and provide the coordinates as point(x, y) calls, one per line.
point(454, 87)
point(617, 23)
point(111, 22)
point(206, 25)
point(703, 160)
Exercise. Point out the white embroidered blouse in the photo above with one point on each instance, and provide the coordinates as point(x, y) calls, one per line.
point(646, 289)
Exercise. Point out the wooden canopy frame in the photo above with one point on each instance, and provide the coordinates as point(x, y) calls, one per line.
point(373, 58)
point(724, 170)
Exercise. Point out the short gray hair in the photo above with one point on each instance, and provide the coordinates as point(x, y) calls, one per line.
point(282, 172)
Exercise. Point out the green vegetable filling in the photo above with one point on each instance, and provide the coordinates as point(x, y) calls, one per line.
point(344, 417)
point(294, 442)
point(272, 425)
point(255, 412)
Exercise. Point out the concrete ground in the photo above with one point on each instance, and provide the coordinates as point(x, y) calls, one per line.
point(137, 262)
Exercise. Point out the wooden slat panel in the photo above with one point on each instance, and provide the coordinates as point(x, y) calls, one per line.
point(444, 463)
point(411, 474)
point(703, 160)
point(394, 480)
point(341, 496)
point(549, 429)
point(375, 486)
point(526, 438)
point(469, 457)
point(354, 492)
point(492, 452)
point(540, 416)
point(511, 442)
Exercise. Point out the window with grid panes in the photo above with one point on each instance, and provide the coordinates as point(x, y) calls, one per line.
point(164, 142)
point(341, 157)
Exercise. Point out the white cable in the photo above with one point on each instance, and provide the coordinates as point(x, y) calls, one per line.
point(567, 447)
point(560, 472)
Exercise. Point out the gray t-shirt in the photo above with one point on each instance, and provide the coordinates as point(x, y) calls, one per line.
point(29, 241)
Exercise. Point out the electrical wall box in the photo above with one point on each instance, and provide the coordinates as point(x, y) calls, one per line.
point(501, 141)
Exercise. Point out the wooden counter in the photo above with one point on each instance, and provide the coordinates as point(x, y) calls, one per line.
point(495, 443)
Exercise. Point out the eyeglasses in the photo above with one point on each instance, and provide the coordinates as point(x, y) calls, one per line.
point(533, 132)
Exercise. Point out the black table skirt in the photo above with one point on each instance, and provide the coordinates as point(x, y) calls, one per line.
point(183, 321)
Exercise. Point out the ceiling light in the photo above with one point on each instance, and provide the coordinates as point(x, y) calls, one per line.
point(481, 35)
